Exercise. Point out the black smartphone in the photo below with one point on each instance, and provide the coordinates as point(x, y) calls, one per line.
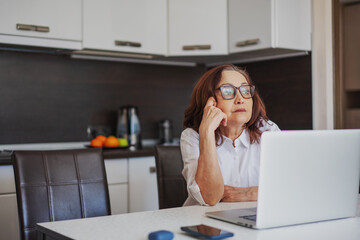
point(206, 232)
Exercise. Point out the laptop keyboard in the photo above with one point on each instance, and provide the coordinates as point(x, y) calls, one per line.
point(251, 217)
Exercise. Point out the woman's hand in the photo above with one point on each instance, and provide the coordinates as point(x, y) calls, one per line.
point(208, 174)
point(212, 116)
point(236, 194)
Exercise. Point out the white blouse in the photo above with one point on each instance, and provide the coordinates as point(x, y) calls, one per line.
point(239, 165)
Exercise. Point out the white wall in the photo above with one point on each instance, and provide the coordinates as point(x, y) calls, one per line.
point(322, 65)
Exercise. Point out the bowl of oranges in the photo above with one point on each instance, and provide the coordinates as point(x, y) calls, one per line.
point(110, 142)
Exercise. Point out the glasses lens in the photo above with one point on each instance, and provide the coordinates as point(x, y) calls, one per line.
point(228, 92)
point(247, 91)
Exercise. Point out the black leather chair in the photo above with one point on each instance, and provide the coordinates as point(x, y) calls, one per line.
point(59, 185)
point(171, 184)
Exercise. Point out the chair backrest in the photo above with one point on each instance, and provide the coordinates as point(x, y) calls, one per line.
point(171, 184)
point(59, 185)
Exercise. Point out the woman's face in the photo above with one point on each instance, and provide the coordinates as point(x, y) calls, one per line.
point(239, 109)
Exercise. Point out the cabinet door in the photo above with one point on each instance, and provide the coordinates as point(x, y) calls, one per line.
point(143, 192)
point(250, 23)
point(117, 177)
point(7, 181)
point(261, 24)
point(138, 26)
point(41, 19)
point(9, 223)
point(118, 194)
point(116, 170)
point(292, 20)
point(198, 27)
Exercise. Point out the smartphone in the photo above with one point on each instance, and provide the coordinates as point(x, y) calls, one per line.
point(206, 232)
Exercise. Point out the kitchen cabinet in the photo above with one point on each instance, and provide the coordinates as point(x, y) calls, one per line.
point(143, 191)
point(44, 23)
point(132, 184)
point(220, 27)
point(117, 176)
point(197, 27)
point(348, 94)
point(158, 27)
point(263, 24)
point(9, 223)
point(138, 26)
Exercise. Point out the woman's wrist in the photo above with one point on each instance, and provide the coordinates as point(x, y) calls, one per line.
point(206, 132)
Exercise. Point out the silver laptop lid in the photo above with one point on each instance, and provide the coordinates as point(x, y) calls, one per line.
point(308, 176)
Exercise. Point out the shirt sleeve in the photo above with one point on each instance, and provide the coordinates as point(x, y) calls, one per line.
point(189, 144)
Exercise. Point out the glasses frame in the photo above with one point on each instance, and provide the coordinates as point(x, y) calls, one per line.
point(252, 90)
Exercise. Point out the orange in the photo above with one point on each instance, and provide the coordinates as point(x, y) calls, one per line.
point(111, 142)
point(96, 143)
point(101, 138)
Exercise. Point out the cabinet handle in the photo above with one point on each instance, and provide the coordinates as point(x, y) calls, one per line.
point(27, 27)
point(248, 42)
point(42, 29)
point(127, 43)
point(152, 169)
point(196, 47)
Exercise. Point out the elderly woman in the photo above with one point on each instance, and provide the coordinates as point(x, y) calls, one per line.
point(221, 143)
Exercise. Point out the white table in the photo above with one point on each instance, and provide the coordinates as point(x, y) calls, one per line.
point(139, 225)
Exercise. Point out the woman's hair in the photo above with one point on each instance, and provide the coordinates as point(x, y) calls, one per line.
point(205, 88)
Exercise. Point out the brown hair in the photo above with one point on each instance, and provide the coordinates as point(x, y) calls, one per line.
point(205, 88)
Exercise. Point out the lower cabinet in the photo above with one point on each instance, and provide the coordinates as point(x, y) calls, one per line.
point(132, 184)
point(143, 192)
point(9, 224)
point(118, 198)
point(117, 176)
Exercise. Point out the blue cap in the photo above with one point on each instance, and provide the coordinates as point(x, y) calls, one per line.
point(161, 235)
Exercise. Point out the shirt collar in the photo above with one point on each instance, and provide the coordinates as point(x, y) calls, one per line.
point(244, 139)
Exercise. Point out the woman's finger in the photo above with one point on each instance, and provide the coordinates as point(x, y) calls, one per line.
point(211, 102)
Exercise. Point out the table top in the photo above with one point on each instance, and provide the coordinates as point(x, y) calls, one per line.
point(139, 225)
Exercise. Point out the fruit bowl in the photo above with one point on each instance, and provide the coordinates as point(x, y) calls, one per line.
point(107, 148)
point(110, 142)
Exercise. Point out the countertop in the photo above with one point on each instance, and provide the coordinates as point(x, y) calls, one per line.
point(111, 154)
point(147, 150)
point(6, 153)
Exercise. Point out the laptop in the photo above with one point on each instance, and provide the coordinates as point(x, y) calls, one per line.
point(305, 176)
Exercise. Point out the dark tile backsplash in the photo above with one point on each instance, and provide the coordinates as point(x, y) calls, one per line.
point(52, 98)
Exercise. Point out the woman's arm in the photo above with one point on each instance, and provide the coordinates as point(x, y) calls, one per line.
point(237, 194)
point(208, 175)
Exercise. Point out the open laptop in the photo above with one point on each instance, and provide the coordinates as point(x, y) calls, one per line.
point(305, 176)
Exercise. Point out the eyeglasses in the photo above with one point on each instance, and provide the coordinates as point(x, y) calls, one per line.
point(228, 91)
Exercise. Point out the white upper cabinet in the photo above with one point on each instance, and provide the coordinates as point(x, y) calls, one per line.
point(249, 25)
point(220, 27)
point(261, 24)
point(138, 26)
point(197, 27)
point(45, 23)
point(158, 27)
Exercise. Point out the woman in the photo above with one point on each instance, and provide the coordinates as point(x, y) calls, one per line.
point(221, 143)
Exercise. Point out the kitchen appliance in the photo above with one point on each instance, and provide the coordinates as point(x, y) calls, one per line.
point(165, 131)
point(128, 126)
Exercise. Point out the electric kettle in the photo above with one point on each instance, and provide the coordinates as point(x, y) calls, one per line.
point(128, 126)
